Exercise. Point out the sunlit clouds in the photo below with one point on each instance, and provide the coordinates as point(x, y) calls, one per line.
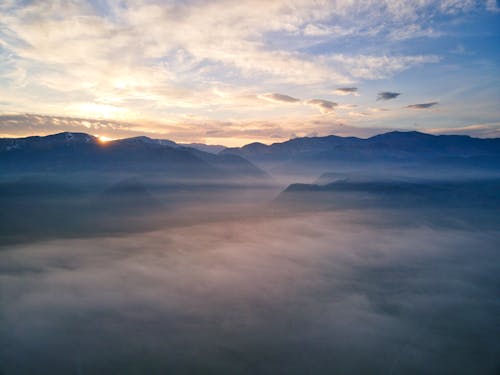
point(190, 67)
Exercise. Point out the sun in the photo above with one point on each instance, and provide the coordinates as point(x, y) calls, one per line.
point(103, 139)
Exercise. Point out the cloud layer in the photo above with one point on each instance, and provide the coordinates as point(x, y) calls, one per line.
point(378, 292)
point(150, 62)
point(226, 132)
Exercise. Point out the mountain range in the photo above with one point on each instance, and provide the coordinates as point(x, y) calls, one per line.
point(321, 154)
point(76, 152)
point(66, 152)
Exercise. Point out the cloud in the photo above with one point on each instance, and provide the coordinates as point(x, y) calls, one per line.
point(275, 97)
point(422, 105)
point(413, 31)
point(19, 125)
point(376, 110)
point(207, 44)
point(325, 106)
point(346, 91)
point(372, 67)
point(357, 114)
point(493, 6)
point(387, 95)
point(459, 50)
point(476, 130)
point(229, 133)
point(319, 30)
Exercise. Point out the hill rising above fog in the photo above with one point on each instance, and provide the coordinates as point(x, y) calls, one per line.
point(464, 194)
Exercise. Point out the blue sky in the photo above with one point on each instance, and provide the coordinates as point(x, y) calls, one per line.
point(236, 72)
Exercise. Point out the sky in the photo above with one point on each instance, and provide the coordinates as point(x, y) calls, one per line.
point(225, 72)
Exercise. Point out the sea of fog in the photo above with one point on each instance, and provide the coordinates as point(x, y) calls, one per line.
point(342, 292)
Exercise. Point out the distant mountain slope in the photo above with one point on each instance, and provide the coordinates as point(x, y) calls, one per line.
point(74, 152)
point(392, 194)
point(393, 147)
point(213, 149)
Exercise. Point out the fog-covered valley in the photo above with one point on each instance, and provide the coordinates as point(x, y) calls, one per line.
point(117, 270)
point(349, 292)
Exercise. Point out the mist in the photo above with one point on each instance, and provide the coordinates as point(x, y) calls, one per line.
point(347, 291)
point(137, 257)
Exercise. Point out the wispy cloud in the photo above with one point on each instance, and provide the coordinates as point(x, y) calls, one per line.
point(476, 130)
point(373, 67)
point(325, 106)
point(422, 105)
point(346, 91)
point(493, 6)
point(17, 125)
point(413, 31)
point(387, 95)
point(275, 97)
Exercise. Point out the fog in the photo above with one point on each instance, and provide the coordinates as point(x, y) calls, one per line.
point(347, 291)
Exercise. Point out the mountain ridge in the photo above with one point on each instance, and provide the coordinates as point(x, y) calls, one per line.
point(67, 151)
point(392, 135)
point(320, 154)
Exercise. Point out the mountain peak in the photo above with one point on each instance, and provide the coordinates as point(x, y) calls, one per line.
point(144, 139)
point(397, 134)
point(72, 137)
point(139, 139)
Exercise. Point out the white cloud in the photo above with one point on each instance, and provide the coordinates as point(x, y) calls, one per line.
point(413, 31)
point(493, 6)
point(377, 67)
point(316, 30)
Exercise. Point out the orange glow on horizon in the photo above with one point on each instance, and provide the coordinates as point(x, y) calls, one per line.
point(104, 139)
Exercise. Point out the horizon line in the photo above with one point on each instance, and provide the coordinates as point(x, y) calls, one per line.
point(106, 139)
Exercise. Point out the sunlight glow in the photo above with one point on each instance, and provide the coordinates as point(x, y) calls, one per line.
point(101, 111)
point(104, 139)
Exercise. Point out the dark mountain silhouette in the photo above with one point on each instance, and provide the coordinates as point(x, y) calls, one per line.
point(77, 152)
point(419, 149)
point(481, 193)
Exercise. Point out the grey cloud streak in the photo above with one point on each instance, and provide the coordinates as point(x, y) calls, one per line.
point(325, 106)
point(387, 95)
point(346, 91)
point(276, 97)
point(422, 105)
